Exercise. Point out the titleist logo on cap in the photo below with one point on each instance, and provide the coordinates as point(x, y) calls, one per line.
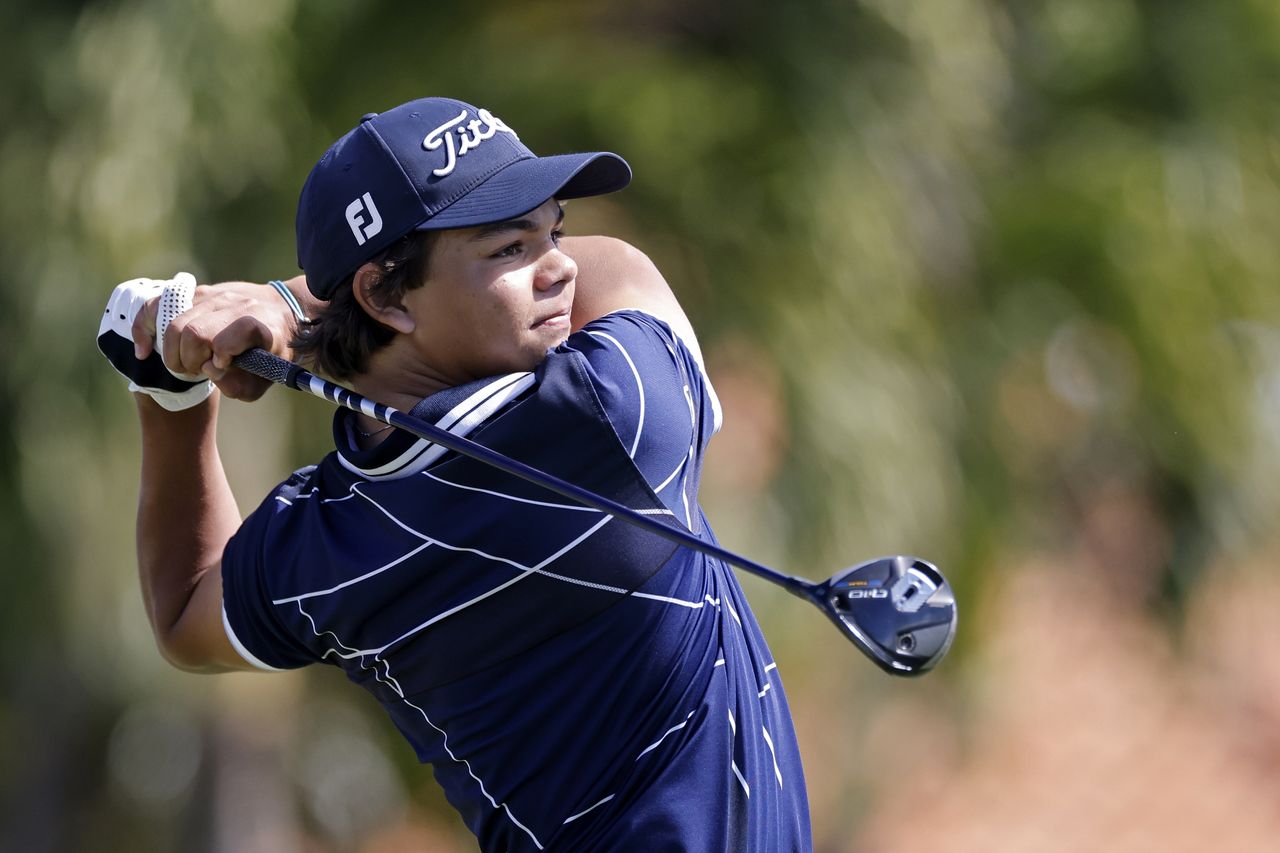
point(470, 136)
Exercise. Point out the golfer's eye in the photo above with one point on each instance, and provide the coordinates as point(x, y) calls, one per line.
point(557, 235)
point(508, 251)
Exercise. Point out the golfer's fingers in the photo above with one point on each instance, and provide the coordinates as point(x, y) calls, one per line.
point(241, 334)
point(144, 328)
point(186, 345)
point(239, 385)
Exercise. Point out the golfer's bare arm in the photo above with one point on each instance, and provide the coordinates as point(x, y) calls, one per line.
point(186, 512)
point(613, 275)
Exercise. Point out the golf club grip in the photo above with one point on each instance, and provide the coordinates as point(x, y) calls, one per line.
point(259, 362)
point(262, 363)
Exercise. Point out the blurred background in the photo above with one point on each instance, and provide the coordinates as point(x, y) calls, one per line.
point(989, 282)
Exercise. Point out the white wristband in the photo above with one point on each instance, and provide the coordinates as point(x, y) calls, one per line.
point(175, 299)
point(176, 401)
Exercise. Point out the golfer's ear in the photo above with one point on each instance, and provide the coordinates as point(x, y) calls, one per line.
point(390, 314)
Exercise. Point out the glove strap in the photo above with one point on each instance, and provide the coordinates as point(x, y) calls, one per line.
point(175, 299)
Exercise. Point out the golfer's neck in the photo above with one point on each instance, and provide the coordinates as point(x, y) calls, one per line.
point(397, 378)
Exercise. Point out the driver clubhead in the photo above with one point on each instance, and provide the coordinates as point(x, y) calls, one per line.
point(899, 610)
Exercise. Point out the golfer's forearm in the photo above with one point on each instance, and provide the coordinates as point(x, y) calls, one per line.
point(612, 275)
point(605, 276)
point(186, 514)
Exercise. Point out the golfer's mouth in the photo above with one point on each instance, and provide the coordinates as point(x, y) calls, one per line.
point(560, 319)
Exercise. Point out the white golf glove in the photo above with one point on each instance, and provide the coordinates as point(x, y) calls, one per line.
point(150, 376)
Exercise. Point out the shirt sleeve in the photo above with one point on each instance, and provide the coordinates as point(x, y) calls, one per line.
point(656, 396)
point(249, 613)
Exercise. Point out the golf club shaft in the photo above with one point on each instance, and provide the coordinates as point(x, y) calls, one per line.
point(268, 366)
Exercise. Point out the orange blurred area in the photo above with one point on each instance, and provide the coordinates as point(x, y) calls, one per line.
point(1092, 731)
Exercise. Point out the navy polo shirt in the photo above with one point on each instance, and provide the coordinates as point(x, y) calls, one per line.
point(575, 683)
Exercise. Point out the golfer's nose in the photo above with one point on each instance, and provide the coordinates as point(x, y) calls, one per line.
point(554, 268)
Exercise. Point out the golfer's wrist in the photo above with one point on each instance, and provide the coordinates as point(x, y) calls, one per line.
point(302, 303)
point(290, 301)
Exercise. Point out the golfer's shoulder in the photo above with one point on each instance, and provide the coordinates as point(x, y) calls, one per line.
point(262, 529)
point(626, 346)
point(642, 374)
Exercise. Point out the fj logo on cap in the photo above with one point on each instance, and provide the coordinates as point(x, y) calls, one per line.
point(355, 218)
point(470, 135)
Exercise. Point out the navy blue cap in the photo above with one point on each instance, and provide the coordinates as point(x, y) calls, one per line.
point(429, 164)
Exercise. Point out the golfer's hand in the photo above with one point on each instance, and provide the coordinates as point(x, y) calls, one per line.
point(224, 320)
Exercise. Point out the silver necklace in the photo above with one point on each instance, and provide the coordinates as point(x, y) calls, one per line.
point(375, 432)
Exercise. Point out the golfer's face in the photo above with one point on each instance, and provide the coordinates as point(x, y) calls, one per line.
point(497, 297)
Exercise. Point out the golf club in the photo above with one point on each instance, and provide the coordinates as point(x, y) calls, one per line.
point(898, 610)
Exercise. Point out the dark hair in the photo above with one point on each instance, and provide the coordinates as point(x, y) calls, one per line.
point(340, 340)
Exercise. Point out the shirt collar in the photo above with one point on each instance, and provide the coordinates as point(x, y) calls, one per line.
point(460, 410)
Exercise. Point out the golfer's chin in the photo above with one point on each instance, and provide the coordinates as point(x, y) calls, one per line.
point(531, 352)
point(549, 335)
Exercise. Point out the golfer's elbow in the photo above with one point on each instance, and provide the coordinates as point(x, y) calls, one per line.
point(628, 266)
point(181, 653)
point(191, 637)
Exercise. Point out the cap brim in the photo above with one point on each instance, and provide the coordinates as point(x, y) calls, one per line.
point(526, 184)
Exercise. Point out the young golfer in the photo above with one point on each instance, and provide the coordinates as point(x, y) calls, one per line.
point(576, 684)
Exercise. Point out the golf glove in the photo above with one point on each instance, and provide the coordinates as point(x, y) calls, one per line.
point(150, 376)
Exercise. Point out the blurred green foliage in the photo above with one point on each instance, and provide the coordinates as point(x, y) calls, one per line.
point(983, 258)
